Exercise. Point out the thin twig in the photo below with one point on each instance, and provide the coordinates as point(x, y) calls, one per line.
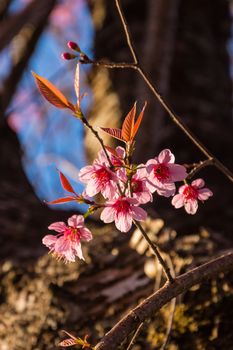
point(172, 309)
point(177, 120)
point(169, 325)
point(199, 166)
point(127, 32)
point(156, 252)
point(96, 134)
point(135, 336)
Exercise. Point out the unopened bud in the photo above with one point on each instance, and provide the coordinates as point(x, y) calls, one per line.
point(73, 46)
point(68, 56)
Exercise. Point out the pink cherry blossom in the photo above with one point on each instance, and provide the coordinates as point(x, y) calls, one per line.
point(190, 194)
point(67, 243)
point(116, 158)
point(123, 210)
point(163, 173)
point(139, 189)
point(98, 178)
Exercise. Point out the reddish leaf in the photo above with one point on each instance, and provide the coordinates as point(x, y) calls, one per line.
point(112, 151)
point(62, 200)
point(65, 183)
point(114, 132)
point(139, 120)
point(128, 124)
point(70, 335)
point(51, 93)
point(67, 342)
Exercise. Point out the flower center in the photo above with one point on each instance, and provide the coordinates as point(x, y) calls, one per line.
point(122, 206)
point(136, 186)
point(102, 175)
point(72, 233)
point(190, 192)
point(116, 162)
point(161, 172)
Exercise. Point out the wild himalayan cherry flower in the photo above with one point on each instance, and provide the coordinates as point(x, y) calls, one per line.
point(99, 178)
point(139, 189)
point(189, 194)
point(123, 210)
point(117, 160)
point(66, 244)
point(163, 173)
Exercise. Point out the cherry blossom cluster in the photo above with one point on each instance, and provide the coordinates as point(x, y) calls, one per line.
point(124, 186)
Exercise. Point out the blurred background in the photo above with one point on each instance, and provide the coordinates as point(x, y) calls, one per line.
point(186, 46)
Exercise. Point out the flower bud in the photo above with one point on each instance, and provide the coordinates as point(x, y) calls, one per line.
point(68, 56)
point(73, 46)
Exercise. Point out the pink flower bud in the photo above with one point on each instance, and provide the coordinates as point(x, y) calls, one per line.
point(73, 46)
point(67, 56)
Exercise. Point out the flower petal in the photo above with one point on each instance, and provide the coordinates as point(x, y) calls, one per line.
point(191, 206)
point(198, 183)
point(178, 201)
point(204, 194)
point(123, 222)
point(166, 156)
point(150, 165)
point(63, 247)
point(107, 215)
point(76, 221)
point(78, 250)
point(167, 189)
point(58, 226)
point(177, 172)
point(49, 241)
point(86, 173)
point(138, 213)
point(85, 234)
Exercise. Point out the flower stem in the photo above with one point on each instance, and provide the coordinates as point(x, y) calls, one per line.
point(95, 133)
point(155, 249)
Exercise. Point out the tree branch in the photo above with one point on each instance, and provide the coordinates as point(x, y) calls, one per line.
point(177, 120)
point(160, 298)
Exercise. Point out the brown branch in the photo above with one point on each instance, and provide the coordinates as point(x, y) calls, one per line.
point(197, 167)
point(96, 134)
point(105, 64)
point(172, 309)
point(160, 298)
point(127, 32)
point(175, 118)
point(162, 262)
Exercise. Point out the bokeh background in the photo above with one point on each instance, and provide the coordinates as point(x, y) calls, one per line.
point(187, 47)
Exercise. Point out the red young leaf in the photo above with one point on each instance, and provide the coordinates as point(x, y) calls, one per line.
point(65, 183)
point(139, 120)
point(114, 132)
point(70, 335)
point(68, 342)
point(128, 124)
point(51, 93)
point(62, 200)
point(112, 151)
